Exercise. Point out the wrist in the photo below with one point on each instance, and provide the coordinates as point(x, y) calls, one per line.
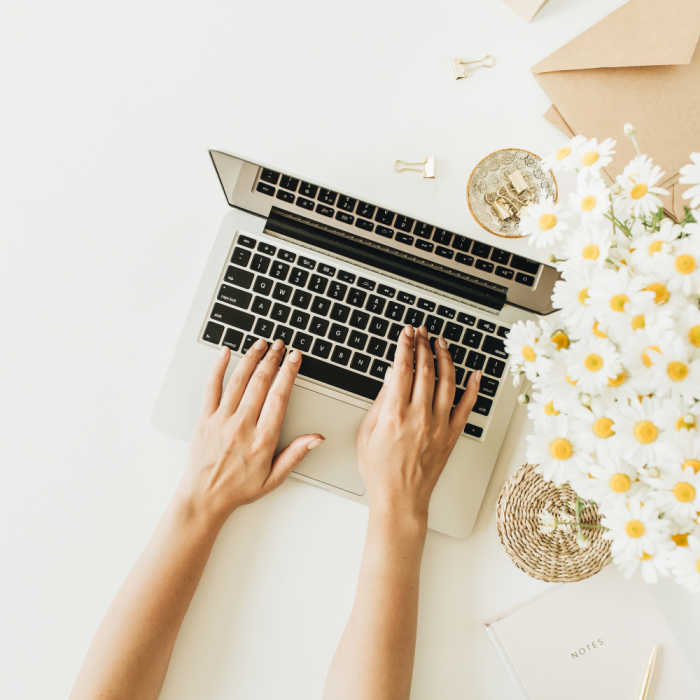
point(198, 512)
point(400, 521)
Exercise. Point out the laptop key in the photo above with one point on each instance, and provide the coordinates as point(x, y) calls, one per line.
point(423, 230)
point(472, 338)
point(495, 367)
point(283, 333)
point(505, 272)
point(264, 188)
point(484, 265)
point(378, 326)
point(337, 290)
point(385, 290)
point(360, 362)
point(434, 325)
point(503, 331)
point(426, 304)
point(280, 313)
point(422, 244)
point(359, 319)
point(285, 196)
point(464, 259)
point(260, 263)
point(320, 305)
point(446, 311)
point(457, 353)
point(338, 333)
point(461, 243)
point(366, 283)
point(391, 352)
point(263, 285)
point(364, 224)
point(340, 355)
point(240, 256)
point(521, 277)
point(232, 317)
point(305, 203)
point(279, 270)
point(356, 297)
point(466, 319)
point(414, 317)
point(494, 346)
point(298, 277)
point(264, 327)
point(299, 319)
point(269, 176)
point(346, 203)
point(459, 376)
point(321, 348)
point(344, 217)
point(213, 332)
point(500, 256)
point(239, 277)
point(395, 331)
point(301, 298)
point(318, 325)
point(261, 306)
point(307, 189)
point(404, 223)
point(489, 386)
point(525, 265)
point(379, 369)
point(289, 182)
point(487, 326)
point(248, 342)
point(234, 296)
point(473, 430)
point(404, 238)
point(482, 405)
point(345, 276)
point(406, 298)
point(281, 292)
point(377, 347)
point(375, 304)
point(233, 339)
point(444, 252)
point(302, 341)
point(326, 269)
point(327, 196)
point(357, 340)
point(318, 284)
point(384, 216)
point(442, 236)
point(475, 360)
point(394, 311)
point(308, 263)
point(324, 210)
point(453, 331)
point(481, 250)
point(340, 377)
point(340, 313)
point(384, 231)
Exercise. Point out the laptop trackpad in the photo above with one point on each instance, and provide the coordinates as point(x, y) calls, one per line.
point(334, 462)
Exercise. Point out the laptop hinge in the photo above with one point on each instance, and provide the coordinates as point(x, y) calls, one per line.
point(389, 260)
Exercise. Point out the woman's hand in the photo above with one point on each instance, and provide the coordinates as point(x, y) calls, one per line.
point(411, 429)
point(232, 458)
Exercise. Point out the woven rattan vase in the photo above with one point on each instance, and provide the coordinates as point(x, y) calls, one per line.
point(555, 556)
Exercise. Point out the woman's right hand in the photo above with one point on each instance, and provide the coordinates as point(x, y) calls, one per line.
point(408, 434)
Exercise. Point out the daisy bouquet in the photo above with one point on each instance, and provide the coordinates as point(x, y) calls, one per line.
point(614, 391)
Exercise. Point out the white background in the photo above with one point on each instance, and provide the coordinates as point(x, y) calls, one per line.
point(109, 207)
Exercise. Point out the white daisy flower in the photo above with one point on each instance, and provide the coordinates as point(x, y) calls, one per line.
point(572, 295)
point(639, 184)
point(542, 408)
point(639, 431)
point(686, 563)
point(594, 425)
point(682, 417)
point(566, 158)
point(592, 363)
point(686, 456)
point(611, 294)
point(523, 346)
point(554, 338)
point(594, 155)
point(650, 248)
point(635, 529)
point(677, 494)
point(544, 222)
point(557, 382)
point(674, 372)
point(683, 266)
point(589, 247)
point(591, 199)
point(559, 456)
point(612, 481)
point(651, 566)
point(689, 326)
point(690, 175)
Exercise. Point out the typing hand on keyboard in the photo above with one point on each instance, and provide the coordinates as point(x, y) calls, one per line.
point(232, 456)
point(410, 431)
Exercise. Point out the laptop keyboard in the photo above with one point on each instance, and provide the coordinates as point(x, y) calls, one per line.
point(346, 325)
point(403, 229)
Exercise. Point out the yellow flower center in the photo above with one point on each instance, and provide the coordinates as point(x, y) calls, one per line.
point(694, 336)
point(560, 340)
point(561, 449)
point(588, 203)
point(528, 353)
point(602, 427)
point(661, 293)
point(655, 247)
point(619, 483)
point(638, 322)
point(563, 152)
point(646, 358)
point(593, 362)
point(617, 381)
point(549, 409)
point(638, 191)
point(697, 565)
point(590, 252)
point(677, 371)
point(645, 432)
point(646, 556)
point(571, 381)
point(590, 157)
point(547, 221)
point(685, 264)
point(635, 529)
point(681, 424)
point(684, 492)
point(693, 464)
point(680, 539)
point(618, 301)
point(583, 295)
point(597, 332)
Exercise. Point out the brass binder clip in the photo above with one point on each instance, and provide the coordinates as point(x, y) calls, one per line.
point(427, 167)
point(463, 69)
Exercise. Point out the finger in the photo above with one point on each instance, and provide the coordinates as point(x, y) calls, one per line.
point(466, 403)
point(290, 457)
point(275, 406)
point(370, 419)
point(445, 391)
point(212, 394)
point(241, 376)
point(401, 379)
point(259, 385)
point(424, 382)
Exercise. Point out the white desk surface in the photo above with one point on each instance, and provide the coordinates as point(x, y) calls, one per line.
point(109, 207)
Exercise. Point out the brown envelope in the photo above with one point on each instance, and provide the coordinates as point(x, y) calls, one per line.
point(527, 9)
point(638, 65)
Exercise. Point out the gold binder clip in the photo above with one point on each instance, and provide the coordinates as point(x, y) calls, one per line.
point(427, 167)
point(463, 69)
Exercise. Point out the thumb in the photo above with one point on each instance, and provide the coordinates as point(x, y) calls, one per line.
point(290, 457)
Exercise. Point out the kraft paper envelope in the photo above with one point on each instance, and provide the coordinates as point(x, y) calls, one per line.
point(638, 65)
point(527, 9)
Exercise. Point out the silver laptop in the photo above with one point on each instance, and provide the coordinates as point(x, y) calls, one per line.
point(337, 277)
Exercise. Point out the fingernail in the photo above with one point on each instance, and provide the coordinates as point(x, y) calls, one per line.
point(387, 374)
point(294, 357)
point(260, 344)
point(277, 345)
point(314, 443)
point(408, 331)
point(442, 343)
point(224, 351)
point(424, 331)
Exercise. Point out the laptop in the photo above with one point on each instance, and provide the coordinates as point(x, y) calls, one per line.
point(337, 277)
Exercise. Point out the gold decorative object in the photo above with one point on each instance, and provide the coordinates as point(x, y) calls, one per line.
point(502, 183)
point(427, 167)
point(463, 69)
point(572, 550)
point(649, 674)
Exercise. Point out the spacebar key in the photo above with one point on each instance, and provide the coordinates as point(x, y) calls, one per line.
point(340, 378)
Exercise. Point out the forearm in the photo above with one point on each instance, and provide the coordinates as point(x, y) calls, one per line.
point(374, 660)
point(131, 650)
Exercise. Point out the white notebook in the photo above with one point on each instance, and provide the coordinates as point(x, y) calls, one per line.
point(592, 640)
